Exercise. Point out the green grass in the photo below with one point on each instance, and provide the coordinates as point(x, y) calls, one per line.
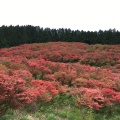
point(62, 107)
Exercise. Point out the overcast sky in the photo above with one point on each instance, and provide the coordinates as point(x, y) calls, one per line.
point(74, 14)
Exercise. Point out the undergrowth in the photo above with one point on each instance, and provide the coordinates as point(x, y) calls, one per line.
point(62, 107)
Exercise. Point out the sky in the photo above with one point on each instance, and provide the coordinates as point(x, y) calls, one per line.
point(91, 15)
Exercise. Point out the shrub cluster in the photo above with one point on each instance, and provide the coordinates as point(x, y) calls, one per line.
point(33, 72)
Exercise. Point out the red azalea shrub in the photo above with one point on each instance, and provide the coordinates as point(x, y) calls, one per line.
point(24, 74)
point(95, 98)
point(111, 95)
point(94, 84)
point(45, 89)
point(63, 51)
point(15, 93)
point(93, 87)
point(78, 82)
point(63, 77)
point(92, 98)
point(62, 89)
point(39, 67)
point(49, 77)
point(10, 88)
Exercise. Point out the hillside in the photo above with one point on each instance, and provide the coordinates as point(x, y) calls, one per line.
point(31, 73)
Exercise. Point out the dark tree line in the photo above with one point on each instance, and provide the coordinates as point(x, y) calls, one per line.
point(16, 35)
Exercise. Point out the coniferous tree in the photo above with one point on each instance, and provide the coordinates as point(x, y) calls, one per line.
point(16, 35)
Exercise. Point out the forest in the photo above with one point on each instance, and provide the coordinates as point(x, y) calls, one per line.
point(17, 35)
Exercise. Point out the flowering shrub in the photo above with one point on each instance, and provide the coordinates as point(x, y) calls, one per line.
point(43, 88)
point(24, 74)
point(15, 93)
point(63, 77)
point(39, 71)
point(38, 67)
point(111, 95)
point(92, 98)
point(10, 89)
point(95, 98)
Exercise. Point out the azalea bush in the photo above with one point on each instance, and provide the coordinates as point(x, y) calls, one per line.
point(16, 93)
point(40, 71)
point(95, 98)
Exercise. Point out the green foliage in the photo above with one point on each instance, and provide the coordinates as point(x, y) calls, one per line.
point(62, 107)
point(39, 76)
point(51, 117)
point(16, 35)
point(24, 118)
point(8, 116)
